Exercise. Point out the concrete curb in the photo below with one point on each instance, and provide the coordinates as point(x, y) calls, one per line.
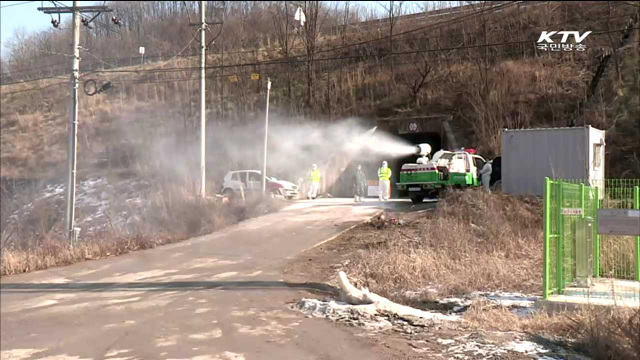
point(344, 231)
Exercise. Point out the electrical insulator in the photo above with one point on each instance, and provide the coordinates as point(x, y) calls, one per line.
point(55, 23)
point(86, 23)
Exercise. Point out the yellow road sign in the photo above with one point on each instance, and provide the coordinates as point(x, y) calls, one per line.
point(233, 78)
point(255, 76)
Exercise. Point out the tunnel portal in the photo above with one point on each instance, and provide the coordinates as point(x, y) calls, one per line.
point(433, 130)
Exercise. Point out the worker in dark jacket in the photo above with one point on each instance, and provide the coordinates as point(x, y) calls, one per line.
point(360, 185)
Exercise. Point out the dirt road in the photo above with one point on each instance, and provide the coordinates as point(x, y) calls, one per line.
point(215, 297)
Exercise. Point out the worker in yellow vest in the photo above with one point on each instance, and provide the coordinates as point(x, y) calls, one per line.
point(314, 181)
point(384, 177)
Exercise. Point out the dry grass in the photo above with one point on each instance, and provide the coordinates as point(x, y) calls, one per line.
point(617, 256)
point(488, 316)
point(603, 333)
point(174, 214)
point(475, 241)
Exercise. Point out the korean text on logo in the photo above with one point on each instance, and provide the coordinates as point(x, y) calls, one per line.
point(546, 43)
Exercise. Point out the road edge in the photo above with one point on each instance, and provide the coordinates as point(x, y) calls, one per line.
point(377, 213)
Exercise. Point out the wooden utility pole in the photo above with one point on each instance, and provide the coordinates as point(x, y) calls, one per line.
point(72, 152)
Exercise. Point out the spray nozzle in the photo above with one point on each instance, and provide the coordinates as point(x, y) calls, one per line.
point(423, 149)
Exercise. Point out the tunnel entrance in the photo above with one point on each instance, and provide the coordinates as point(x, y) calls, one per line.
point(433, 130)
point(433, 139)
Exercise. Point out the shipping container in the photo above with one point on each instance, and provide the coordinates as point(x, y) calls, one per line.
point(530, 155)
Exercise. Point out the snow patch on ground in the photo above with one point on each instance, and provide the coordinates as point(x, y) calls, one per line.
point(475, 346)
point(512, 300)
point(99, 203)
point(520, 304)
point(18, 354)
point(368, 316)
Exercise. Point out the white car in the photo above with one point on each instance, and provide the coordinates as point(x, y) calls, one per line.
point(251, 180)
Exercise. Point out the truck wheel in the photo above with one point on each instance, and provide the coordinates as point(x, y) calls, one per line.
point(417, 199)
point(432, 195)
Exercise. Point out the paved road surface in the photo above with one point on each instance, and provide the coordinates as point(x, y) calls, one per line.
point(215, 297)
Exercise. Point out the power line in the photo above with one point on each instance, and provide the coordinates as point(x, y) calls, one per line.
point(387, 37)
point(179, 52)
point(10, 5)
point(284, 61)
point(364, 42)
point(97, 58)
point(283, 71)
point(343, 57)
point(34, 89)
point(226, 75)
point(494, 8)
point(32, 80)
point(348, 45)
point(53, 53)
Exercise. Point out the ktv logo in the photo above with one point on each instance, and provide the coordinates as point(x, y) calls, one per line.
point(545, 42)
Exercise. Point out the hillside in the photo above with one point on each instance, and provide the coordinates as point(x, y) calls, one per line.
point(480, 66)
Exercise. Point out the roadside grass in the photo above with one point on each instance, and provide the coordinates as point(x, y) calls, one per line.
point(474, 241)
point(602, 333)
point(174, 214)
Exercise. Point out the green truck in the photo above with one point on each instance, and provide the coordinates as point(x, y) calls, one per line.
point(426, 178)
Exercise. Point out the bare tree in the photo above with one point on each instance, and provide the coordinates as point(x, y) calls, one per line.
point(424, 74)
point(316, 14)
point(394, 11)
point(284, 38)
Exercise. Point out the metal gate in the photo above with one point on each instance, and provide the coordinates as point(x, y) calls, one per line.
point(570, 236)
point(618, 257)
point(574, 248)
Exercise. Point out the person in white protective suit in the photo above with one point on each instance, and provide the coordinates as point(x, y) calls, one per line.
point(384, 177)
point(486, 176)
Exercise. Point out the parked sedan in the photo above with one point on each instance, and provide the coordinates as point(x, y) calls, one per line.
point(251, 181)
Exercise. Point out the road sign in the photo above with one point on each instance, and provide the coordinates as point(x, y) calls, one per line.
point(619, 222)
point(141, 50)
point(255, 76)
point(233, 78)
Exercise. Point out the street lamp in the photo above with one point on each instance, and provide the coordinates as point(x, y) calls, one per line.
point(266, 131)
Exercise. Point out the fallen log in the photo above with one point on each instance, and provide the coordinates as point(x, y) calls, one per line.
point(378, 304)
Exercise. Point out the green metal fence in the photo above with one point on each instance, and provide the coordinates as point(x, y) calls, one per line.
point(573, 249)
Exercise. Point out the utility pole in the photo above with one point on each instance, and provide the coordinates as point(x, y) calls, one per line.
point(266, 132)
point(72, 152)
point(203, 122)
point(203, 25)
